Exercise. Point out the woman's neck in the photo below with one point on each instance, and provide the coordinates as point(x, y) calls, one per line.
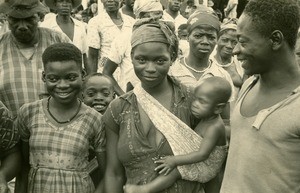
point(197, 63)
point(164, 87)
point(223, 60)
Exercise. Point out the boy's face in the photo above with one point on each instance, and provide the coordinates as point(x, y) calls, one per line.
point(203, 105)
point(183, 34)
point(63, 81)
point(98, 93)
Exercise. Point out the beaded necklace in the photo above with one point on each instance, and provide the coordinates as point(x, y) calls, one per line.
point(193, 69)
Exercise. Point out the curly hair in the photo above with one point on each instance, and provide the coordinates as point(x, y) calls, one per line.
point(62, 52)
point(271, 15)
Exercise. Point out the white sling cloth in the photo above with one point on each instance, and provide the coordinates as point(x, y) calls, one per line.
point(182, 139)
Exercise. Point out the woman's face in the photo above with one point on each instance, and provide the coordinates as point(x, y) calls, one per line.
point(151, 62)
point(202, 41)
point(226, 43)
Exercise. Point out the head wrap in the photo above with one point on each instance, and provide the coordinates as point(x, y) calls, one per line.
point(230, 24)
point(150, 30)
point(203, 16)
point(146, 6)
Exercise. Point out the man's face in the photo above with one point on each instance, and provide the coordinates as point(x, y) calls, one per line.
point(64, 7)
point(111, 5)
point(174, 5)
point(24, 29)
point(252, 49)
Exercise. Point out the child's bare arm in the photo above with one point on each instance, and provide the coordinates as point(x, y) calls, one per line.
point(209, 142)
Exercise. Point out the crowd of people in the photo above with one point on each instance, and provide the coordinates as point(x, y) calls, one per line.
point(149, 96)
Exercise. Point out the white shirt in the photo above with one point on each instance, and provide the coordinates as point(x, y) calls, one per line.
point(179, 19)
point(102, 31)
point(79, 39)
point(120, 54)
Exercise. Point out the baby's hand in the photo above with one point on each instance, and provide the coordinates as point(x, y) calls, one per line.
point(167, 164)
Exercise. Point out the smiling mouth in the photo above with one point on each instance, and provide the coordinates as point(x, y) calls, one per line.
point(99, 107)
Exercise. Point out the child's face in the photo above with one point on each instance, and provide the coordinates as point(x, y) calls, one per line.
point(183, 34)
point(63, 81)
point(98, 93)
point(203, 105)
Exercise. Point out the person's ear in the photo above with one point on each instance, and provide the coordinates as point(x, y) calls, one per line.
point(276, 39)
point(43, 76)
point(219, 108)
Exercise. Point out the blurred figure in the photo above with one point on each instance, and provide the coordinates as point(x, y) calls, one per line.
point(172, 13)
point(127, 8)
point(64, 23)
point(102, 30)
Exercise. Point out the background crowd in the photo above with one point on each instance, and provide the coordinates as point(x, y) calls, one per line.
point(186, 96)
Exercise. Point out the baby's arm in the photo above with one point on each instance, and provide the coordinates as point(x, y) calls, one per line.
point(157, 185)
point(210, 139)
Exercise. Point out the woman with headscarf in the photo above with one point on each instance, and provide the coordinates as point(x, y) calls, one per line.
point(223, 56)
point(137, 122)
point(203, 28)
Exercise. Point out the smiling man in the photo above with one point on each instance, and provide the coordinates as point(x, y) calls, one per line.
point(264, 153)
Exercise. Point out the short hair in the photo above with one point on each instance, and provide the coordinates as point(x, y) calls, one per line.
point(220, 86)
point(271, 15)
point(96, 74)
point(62, 52)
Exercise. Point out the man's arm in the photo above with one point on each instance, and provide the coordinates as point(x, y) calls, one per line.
point(92, 64)
point(109, 69)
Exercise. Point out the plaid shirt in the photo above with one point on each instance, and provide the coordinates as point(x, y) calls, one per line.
point(9, 137)
point(21, 78)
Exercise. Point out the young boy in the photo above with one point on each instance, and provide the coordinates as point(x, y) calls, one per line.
point(98, 91)
point(211, 96)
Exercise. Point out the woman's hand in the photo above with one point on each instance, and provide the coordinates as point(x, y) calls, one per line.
point(167, 164)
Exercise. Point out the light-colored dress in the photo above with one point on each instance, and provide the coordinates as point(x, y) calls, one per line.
point(59, 155)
